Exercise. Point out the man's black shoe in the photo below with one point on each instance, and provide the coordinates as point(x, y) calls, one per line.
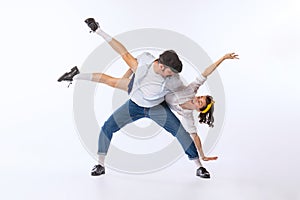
point(98, 170)
point(203, 173)
point(68, 76)
point(92, 24)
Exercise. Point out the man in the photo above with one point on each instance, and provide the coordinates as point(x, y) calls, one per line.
point(153, 79)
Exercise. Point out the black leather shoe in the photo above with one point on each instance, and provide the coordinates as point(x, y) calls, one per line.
point(68, 76)
point(203, 173)
point(92, 24)
point(98, 170)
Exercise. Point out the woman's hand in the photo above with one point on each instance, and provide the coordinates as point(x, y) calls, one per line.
point(213, 66)
point(209, 158)
point(230, 56)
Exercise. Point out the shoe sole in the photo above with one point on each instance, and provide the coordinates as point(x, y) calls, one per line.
point(89, 21)
point(93, 174)
point(61, 78)
point(206, 177)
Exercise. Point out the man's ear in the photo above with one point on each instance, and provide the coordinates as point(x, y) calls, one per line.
point(161, 66)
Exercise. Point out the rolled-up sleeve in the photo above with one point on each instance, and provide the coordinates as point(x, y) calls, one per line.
point(197, 83)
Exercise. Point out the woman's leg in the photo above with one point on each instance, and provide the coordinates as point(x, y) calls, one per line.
point(115, 44)
point(127, 74)
point(120, 83)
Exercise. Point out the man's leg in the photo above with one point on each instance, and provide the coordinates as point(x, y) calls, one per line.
point(127, 113)
point(164, 117)
point(119, 83)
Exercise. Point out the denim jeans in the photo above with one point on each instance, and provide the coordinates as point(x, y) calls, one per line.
point(161, 114)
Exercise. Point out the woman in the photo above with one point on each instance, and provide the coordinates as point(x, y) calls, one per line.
point(185, 101)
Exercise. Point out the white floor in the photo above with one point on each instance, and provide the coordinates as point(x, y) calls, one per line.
point(176, 182)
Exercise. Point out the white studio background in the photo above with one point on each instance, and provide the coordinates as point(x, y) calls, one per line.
point(41, 154)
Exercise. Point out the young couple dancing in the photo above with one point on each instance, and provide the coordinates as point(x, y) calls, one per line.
point(154, 87)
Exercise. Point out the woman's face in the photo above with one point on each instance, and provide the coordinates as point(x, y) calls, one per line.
point(199, 102)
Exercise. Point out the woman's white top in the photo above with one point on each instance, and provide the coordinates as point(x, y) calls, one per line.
point(181, 96)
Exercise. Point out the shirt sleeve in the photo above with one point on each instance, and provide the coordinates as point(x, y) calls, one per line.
point(197, 83)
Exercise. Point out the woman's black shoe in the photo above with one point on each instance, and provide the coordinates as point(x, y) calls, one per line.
point(68, 76)
point(92, 24)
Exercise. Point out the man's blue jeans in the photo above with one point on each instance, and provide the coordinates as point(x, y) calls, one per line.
point(161, 114)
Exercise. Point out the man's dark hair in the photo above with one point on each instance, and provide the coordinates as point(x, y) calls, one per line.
point(171, 59)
